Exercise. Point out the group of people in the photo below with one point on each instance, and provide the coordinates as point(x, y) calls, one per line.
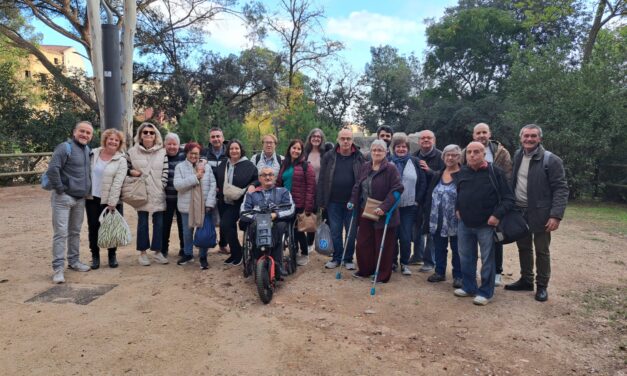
point(435, 199)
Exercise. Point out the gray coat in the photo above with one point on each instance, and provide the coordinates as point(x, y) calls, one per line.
point(71, 173)
point(547, 191)
point(185, 179)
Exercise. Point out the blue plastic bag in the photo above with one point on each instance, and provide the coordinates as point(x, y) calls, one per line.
point(322, 242)
point(205, 237)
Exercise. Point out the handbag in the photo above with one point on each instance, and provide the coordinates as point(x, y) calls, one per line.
point(371, 206)
point(230, 191)
point(134, 191)
point(114, 230)
point(205, 236)
point(306, 223)
point(512, 226)
point(322, 241)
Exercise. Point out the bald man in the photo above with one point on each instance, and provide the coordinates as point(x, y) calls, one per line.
point(496, 154)
point(483, 198)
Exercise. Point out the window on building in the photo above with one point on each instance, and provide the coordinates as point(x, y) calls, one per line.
point(28, 74)
point(56, 61)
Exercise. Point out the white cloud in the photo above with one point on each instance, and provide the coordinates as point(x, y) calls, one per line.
point(374, 28)
point(228, 31)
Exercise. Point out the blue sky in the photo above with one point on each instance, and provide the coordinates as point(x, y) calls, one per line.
point(358, 24)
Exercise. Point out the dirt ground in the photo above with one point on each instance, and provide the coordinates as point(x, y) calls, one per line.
point(179, 320)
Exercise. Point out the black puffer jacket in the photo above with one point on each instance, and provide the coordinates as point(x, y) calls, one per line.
point(170, 191)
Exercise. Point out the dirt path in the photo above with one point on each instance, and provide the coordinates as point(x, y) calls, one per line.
point(172, 320)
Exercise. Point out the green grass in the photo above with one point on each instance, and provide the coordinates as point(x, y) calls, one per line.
point(606, 217)
point(607, 302)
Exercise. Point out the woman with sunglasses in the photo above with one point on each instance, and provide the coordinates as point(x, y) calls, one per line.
point(298, 177)
point(148, 158)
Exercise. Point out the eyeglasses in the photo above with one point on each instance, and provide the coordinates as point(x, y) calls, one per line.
point(268, 142)
point(152, 133)
point(267, 175)
point(192, 154)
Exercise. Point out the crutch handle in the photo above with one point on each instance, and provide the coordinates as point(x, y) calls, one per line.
point(397, 200)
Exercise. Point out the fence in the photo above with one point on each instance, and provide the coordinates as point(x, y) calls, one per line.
point(21, 165)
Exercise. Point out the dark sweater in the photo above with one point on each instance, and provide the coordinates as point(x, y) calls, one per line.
point(170, 191)
point(245, 174)
point(477, 198)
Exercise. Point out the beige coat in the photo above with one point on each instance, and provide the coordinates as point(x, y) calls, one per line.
point(112, 178)
point(153, 164)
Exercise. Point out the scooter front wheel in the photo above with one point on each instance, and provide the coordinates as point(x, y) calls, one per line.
point(264, 284)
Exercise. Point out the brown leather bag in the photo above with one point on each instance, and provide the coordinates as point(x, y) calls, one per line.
point(306, 223)
point(371, 205)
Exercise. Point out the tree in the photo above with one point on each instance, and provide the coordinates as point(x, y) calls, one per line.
point(605, 11)
point(299, 38)
point(388, 83)
point(469, 50)
point(334, 93)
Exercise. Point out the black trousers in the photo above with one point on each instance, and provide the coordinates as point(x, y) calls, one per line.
point(229, 215)
point(93, 209)
point(168, 218)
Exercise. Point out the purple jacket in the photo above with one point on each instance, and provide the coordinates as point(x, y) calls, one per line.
point(384, 182)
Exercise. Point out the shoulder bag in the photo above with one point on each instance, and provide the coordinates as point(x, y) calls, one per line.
point(512, 226)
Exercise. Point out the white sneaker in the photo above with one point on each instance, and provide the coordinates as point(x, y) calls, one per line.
point(498, 280)
point(350, 266)
point(79, 267)
point(58, 277)
point(302, 260)
point(461, 293)
point(331, 265)
point(143, 259)
point(159, 258)
point(405, 270)
point(480, 300)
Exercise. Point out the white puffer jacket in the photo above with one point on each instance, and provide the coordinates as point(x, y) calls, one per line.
point(152, 163)
point(112, 178)
point(185, 179)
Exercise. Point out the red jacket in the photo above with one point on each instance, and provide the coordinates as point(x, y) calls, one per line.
point(303, 188)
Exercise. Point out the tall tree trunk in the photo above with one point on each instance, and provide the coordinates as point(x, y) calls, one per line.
point(130, 21)
point(95, 30)
point(594, 31)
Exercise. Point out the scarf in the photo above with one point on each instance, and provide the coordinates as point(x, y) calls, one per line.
point(400, 163)
point(197, 206)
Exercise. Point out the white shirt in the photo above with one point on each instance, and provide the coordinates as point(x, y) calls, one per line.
point(96, 177)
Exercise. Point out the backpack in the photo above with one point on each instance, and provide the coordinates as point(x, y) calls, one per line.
point(44, 180)
point(277, 158)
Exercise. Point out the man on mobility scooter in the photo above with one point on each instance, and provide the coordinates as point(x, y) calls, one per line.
point(279, 201)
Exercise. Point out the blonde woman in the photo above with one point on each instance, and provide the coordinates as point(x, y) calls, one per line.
point(148, 158)
point(108, 169)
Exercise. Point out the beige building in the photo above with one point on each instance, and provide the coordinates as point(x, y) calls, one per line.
point(65, 57)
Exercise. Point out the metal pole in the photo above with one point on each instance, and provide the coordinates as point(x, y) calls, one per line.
point(112, 76)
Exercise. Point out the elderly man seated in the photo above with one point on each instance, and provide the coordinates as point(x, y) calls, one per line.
point(279, 200)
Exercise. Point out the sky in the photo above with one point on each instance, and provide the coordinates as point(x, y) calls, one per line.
point(358, 24)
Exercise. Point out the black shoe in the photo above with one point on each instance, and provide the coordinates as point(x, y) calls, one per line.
point(541, 294)
point(435, 277)
point(95, 260)
point(236, 262)
point(113, 261)
point(519, 285)
point(184, 259)
point(181, 252)
point(229, 260)
point(204, 265)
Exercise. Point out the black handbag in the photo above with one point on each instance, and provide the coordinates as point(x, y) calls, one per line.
point(512, 226)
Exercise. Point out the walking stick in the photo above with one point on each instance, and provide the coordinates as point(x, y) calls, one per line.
point(388, 216)
point(338, 275)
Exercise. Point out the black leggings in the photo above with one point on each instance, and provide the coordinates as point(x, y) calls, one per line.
point(229, 215)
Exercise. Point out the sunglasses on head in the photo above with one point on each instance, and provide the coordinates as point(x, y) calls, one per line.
point(148, 132)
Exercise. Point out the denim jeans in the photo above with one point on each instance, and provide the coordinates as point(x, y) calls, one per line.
point(67, 219)
point(405, 233)
point(424, 249)
point(441, 251)
point(143, 238)
point(339, 220)
point(468, 239)
point(168, 218)
point(188, 237)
